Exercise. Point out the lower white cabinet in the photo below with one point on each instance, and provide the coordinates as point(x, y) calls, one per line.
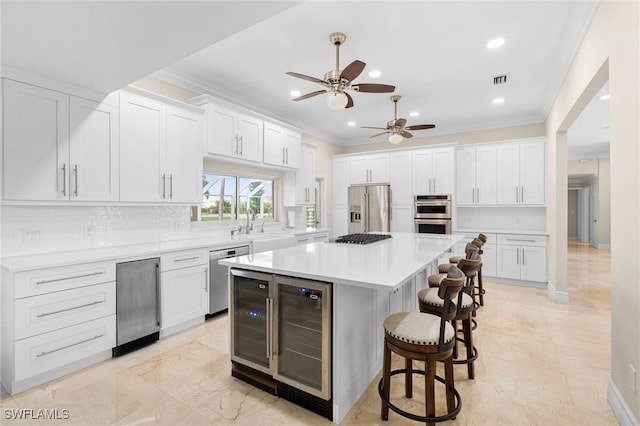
point(489, 253)
point(402, 217)
point(522, 257)
point(184, 289)
point(312, 237)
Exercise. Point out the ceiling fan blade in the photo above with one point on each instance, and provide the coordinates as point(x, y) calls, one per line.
point(353, 70)
point(305, 77)
point(400, 122)
point(349, 100)
point(310, 95)
point(373, 88)
point(421, 127)
point(379, 128)
point(406, 134)
point(378, 134)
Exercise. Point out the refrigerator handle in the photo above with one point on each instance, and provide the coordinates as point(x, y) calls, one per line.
point(366, 212)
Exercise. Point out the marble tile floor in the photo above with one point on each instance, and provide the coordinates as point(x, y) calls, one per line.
point(540, 363)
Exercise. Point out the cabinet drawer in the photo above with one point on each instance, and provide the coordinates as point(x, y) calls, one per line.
point(48, 351)
point(48, 312)
point(183, 259)
point(312, 238)
point(41, 281)
point(523, 240)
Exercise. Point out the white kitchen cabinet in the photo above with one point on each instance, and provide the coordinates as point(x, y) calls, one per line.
point(299, 185)
point(340, 180)
point(400, 178)
point(281, 146)
point(521, 173)
point(340, 220)
point(476, 181)
point(402, 218)
point(184, 289)
point(160, 151)
point(311, 237)
point(433, 171)
point(522, 257)
point(370, 168)
point(58, 147)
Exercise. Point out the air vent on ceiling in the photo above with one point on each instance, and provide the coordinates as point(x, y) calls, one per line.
point(500, 79)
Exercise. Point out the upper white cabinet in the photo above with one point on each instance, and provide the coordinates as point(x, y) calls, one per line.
point(299, 185)
point(58, 147)
point(400, 178)
point(371, 168)
point(229, 132)
point(521, 173)
point(281, 146)
point(476, 175)
point(433, 171)
point(340, 180)
point(160, 152)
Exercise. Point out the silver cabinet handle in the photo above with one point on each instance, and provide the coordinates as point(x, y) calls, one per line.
point(473, 196)
point(520, 240)
point(69, 346)
point(319, 237)
point(171, 186)
point(522, 194)
point(287, 151)
point(70, 278)
point(518, 256)
point(75, 174)
point(64, 179)
point(523, 256)
point(282, 155)
point(164, 184)
point(241, 147)
point(206, 289)
point(478, 195)
point(302, 240)
point(517, 198)
point(45, 314)
point(236, 137)
point(187, 258)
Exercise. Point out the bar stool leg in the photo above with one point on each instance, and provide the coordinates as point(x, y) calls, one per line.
point(429, 387)
point(386, 373)
point(408, 377)
point(448, 374)
point(468, 341)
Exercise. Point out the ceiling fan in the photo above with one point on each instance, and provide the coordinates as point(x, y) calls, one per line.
point(396, 127)
point(337, 80)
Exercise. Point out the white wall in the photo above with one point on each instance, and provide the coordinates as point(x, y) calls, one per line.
point(609, 51)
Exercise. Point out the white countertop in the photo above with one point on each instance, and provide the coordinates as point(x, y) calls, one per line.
point(139, 251)
point(387, 263)
point(500, 231)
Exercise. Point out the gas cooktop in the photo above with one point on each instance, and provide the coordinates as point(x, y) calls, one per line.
point(360, 238)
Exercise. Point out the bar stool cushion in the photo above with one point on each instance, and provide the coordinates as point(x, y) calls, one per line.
point(417, 328)
point(430, 297)
point(455, 259)
point(435, 279)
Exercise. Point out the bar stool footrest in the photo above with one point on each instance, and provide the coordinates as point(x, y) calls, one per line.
point(468, 360)
point(443, 418)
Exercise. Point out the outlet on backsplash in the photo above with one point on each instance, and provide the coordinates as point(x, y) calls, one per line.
point(88, 231)
point(31, 235)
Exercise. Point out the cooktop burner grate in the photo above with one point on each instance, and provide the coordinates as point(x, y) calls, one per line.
point(360, 238)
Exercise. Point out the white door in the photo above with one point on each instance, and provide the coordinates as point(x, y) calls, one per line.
point(533, 262)
point(184, 158)
point(443, 171)
point(532, 173)
point(486, 186)
point(593, 216)
point(36, 143)
point(222, 132)
point(250, 143)
point(142, 149)
point(94, 144)
point(465, 176)
point(508, 174)
point(509, 262)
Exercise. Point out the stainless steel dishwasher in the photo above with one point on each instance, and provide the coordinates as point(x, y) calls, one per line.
point(137, 304)
point(219, 278)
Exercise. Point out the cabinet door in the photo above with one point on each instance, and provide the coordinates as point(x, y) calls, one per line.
point(222, 131)
point(402, 218)
point(340, 220)
point(305, 178)
point(94, 144)
point(508, 174)
point(486, 175)
point(184, 156)
point(400, 178)
point(379, 168)
point(443, 171)
point(465, 176)
point(184, 295)
point(340, 177)
point(292, 146)
point(532, 173)
point(250, 142)
point(273, 148)
point(489, 260)
point(142, 149)
point(509, 262)
point(534, 264)
point(359, 170)
point(422, 164)
point(36, 143)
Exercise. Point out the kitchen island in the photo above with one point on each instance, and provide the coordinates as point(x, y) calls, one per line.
point(368, 282)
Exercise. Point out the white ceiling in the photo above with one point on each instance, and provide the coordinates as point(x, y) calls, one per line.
point(433, 52)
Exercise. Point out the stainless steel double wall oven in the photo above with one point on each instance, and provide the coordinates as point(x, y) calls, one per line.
point(432, 214)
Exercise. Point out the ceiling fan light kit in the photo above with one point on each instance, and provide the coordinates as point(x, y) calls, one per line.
point(395, 138)
point(335, 82)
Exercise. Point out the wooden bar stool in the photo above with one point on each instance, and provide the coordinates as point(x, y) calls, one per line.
point(429, 302)
point(424, 337)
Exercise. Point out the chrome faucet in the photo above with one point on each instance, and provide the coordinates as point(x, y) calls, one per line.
point(262, 226)
point(249, 226)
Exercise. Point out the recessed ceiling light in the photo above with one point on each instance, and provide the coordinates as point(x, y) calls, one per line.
point(495, 43)
point(414, 114)
point(498, 100)
point(294, 93)
point(375, 74)
point(604, 97)
point(351, 123)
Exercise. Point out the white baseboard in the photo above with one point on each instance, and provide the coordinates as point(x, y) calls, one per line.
point(620, 408)
point(604, 246)
point(557, 296)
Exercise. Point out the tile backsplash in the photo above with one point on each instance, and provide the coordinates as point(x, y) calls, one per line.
point(37, 229)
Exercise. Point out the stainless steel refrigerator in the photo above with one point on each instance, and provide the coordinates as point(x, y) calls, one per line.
point(369, 208)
